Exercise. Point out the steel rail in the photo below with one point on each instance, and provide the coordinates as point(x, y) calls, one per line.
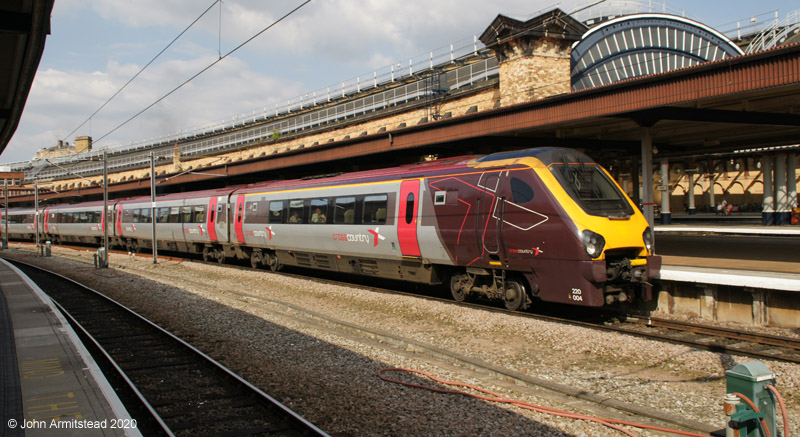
point(711, 331)
point(219, 366)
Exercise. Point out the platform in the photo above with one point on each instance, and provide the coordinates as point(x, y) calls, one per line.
point(50, 383)
point(730, 228)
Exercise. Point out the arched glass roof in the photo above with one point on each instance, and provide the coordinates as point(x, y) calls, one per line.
point(644, 44)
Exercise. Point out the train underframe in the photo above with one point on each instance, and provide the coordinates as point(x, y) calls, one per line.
point(617, 280)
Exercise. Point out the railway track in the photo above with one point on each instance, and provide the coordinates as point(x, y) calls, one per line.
point(401, 345)
point(706, 337)
point(720, 339)
point(178, 390)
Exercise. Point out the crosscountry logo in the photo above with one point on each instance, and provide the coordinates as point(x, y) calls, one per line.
point(377, 236)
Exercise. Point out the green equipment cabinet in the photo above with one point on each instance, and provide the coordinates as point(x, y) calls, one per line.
point(751, 380)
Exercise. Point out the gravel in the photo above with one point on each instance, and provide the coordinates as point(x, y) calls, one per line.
point(257, 324)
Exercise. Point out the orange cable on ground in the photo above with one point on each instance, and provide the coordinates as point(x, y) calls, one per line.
point(538, 408)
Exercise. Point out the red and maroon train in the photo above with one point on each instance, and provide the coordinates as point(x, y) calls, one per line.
point(547, 224)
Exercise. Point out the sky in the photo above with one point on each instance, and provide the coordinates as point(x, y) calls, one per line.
point(96, 46)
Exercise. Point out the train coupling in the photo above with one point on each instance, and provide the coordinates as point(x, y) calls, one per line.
point(627, 270)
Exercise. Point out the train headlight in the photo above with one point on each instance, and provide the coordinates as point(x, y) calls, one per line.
point(593, 243)
point(647, 236)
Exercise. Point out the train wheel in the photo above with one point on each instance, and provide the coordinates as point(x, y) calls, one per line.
point(206, 255)
point(458, 287)
point(272, 262)
point(255, 259)
point(220, 255)
point(515, 298)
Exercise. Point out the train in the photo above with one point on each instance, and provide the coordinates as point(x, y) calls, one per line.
point(543, 224)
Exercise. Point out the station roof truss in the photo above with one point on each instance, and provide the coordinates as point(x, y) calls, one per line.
point(24, 26)
point(644, 44)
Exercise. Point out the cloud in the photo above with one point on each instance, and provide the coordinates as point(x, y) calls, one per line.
point(324, 43)
point(61, 100)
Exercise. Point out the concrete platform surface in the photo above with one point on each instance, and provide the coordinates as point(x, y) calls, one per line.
point(60, 390)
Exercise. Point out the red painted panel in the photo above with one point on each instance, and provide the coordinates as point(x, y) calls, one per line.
point(210, 218)
point(238, 216)
point(407, 229)
point(119, 220)
point(46, 217)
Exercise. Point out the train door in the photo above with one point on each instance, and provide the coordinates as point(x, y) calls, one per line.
point(46, 221)
point(221, 225)
point(238, 217)
point(211, 224)
point(488, 231)
point(118, 220)
point(407, 218)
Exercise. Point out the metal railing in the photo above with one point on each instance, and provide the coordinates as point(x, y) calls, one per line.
point(396, 90)
point(775, 33)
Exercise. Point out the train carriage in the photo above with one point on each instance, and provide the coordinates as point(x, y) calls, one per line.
point(82, 223)
point(186, 222)
point(21, 223)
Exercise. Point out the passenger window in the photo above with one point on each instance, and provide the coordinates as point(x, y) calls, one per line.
point(137, 213)
point(175, 215)
point(162, 215)
point(277, 211)
point(319, 211)
point(296, 211)
point(199, 214)
point(521, 192)
point(186, 214)
point(345, 210)
point(145, 215)
point(375, 209)
point(410, 208)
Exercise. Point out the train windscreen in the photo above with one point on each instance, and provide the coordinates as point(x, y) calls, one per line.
point(592, 189)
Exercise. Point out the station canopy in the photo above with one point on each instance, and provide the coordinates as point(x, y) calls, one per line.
point(641, 45)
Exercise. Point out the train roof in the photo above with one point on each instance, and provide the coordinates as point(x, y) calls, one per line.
point(405, 171)
point(548, 155)
point(214, 192)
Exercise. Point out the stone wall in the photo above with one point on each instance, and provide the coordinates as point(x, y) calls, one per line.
point(482, 100)
point(532, 70)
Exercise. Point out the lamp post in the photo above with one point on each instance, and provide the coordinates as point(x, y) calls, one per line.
point(153, 203)
point(104, 262)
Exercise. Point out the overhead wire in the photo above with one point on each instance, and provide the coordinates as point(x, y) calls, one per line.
point(88, 120)
point(205, 69)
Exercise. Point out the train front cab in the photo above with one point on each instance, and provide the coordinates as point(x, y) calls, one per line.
point(615, 257)
point(590, 245)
